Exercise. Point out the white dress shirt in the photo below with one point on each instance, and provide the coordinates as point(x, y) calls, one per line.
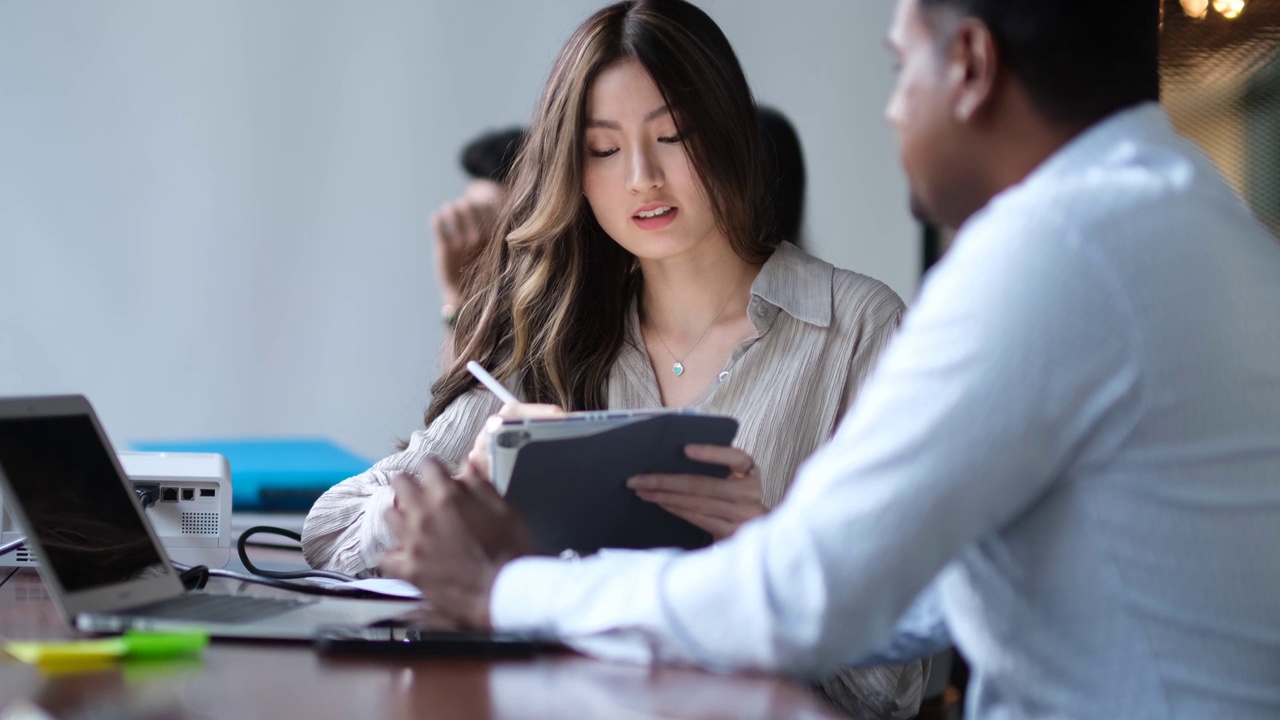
point(1073, 444)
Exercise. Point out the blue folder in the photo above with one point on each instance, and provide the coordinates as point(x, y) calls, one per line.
point(274, 474)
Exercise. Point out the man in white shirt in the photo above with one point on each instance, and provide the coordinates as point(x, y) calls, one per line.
point(1068, 461)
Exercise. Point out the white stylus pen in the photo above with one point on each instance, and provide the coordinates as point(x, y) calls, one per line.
point(492, 383)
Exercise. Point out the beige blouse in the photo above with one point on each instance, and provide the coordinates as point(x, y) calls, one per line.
point(819, 331)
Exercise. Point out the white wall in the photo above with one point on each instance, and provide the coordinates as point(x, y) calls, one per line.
point(212, 215)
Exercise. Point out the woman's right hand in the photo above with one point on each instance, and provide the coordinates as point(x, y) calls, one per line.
point(477, 462)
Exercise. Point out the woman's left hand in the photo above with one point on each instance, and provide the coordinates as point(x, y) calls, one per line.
point(718, 505)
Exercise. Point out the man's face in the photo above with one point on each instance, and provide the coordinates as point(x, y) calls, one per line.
point(919, 110)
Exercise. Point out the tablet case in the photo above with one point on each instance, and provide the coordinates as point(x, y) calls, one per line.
point(573, 491)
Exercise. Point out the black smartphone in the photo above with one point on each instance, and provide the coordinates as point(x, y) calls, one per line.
point(405, 641)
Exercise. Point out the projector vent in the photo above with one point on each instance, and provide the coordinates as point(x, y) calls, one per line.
point(199, 523)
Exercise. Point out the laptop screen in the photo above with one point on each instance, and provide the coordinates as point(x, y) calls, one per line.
point(90, 531)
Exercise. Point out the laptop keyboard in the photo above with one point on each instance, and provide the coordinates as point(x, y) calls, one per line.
point(218, 608)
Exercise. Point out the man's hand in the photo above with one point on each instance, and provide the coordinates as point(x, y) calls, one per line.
point(460, 228)
point(455, 535)
point(718, 505)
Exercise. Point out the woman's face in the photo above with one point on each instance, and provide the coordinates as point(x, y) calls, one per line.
point(641, 185)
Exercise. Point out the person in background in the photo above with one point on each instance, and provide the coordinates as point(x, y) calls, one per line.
point(462, 224)
point(784, 173)
point(631, 266)
point(1068, 461)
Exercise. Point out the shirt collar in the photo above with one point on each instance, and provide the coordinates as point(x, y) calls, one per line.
point(1109, 139)
point(797, 283)
point(1119, 132)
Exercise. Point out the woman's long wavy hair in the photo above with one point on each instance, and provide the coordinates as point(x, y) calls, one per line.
point(548, 299)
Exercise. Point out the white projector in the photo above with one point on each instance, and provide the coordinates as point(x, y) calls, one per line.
point(191, 514)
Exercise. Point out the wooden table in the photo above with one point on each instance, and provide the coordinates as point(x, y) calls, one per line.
point(280, 680)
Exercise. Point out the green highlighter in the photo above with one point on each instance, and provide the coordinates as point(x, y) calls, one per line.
point(132, 645)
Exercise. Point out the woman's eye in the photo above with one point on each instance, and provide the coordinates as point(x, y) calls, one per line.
point(602, 153)
point(670, 139)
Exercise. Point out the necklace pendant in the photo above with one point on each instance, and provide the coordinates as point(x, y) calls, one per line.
point(678, 369)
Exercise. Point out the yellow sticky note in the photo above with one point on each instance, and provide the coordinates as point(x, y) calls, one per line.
point(69, 652)
point(87, 654)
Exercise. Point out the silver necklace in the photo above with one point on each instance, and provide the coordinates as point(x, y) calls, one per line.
point(678, 368)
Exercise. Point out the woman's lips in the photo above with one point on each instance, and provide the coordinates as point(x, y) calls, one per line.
point(656, 222)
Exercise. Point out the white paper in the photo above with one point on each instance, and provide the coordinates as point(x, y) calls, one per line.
point(382, 586)
point(387, 586)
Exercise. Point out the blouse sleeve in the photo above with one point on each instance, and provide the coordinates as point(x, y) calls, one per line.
point(881, 692)
point(878, 322)
point(345, 531)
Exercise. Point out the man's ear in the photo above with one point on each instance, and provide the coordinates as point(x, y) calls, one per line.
point(974, 66)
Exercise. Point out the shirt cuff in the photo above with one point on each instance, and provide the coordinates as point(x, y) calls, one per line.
point(523, 598)
point(376, 537)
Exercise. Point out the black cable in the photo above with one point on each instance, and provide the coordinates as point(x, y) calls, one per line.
point(294, 587)
point(281, 574)
point(195, 577)
point(276, 578)
point(147, 495)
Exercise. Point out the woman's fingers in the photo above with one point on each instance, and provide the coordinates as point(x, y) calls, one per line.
point(738, 462)
point(713, 507)
point(717, 505)
point(738, 489)
point(477, 462)
point(478, 458)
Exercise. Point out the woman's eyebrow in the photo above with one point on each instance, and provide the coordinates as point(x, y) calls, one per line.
point(614, 125)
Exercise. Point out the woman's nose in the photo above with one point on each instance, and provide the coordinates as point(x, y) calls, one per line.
point(644, 174)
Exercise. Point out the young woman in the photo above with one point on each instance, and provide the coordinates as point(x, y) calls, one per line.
point(632, 268)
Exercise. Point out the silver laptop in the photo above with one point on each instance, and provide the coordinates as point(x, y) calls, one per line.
point(99, 556)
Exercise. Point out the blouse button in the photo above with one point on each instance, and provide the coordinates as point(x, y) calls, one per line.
point(724, 376)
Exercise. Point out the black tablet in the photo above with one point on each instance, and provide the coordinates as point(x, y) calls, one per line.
point(573, 491)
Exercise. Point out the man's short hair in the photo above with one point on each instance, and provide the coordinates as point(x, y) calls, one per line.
point(491, 155)
point(1079, 60)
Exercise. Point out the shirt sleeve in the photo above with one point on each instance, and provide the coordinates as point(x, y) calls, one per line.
point(345, 531)
point(920, 632)
point(892, 688)
point(1020, 348)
